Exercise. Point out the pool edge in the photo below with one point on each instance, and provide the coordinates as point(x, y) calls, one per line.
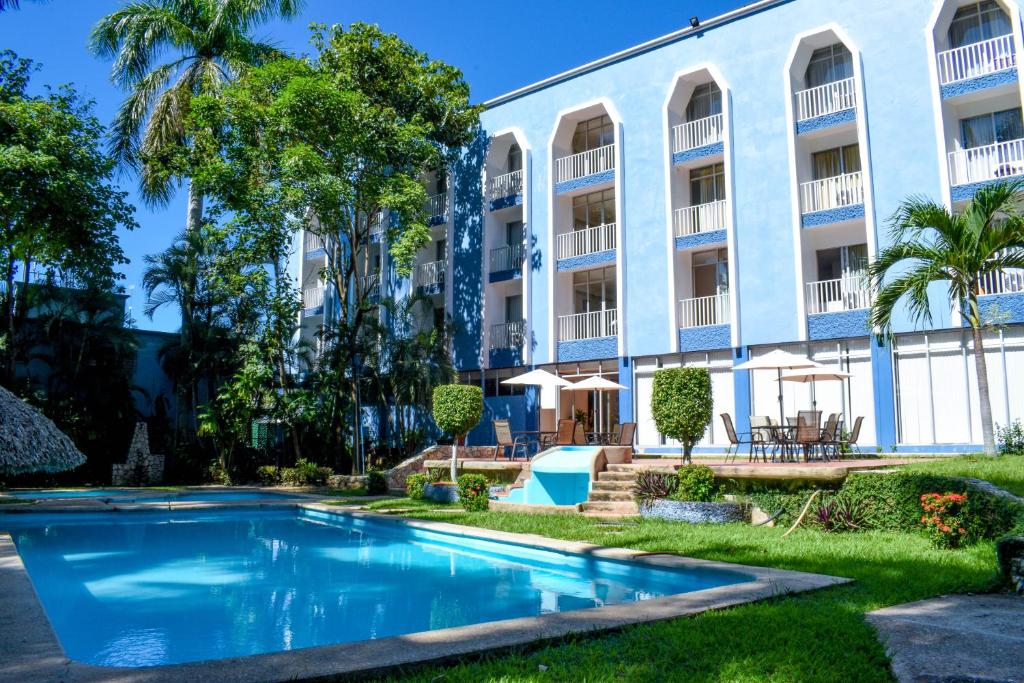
point(30, 650)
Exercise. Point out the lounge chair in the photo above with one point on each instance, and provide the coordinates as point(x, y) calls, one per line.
point(734, 439)
point(505, 440)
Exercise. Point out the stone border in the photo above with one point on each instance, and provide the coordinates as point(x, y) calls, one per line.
point(29, 649)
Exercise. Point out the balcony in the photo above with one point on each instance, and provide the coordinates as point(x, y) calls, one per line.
point(369, 285)
point(1009, 281)
point(436, 208)
point(430, 275)
point(834, 296)
point(577, 166)
point(313, 246)
point(376, 228)
point(832, 193)
point(507, 335)
point(697, 134)
point(506, 258)
point(586, 241)
point(312, 301)
point(691, 220)
point(982, 164)
point(825, 100)
point(703, 311)
point(978, 59)
point(504, 186)
point(593, 325)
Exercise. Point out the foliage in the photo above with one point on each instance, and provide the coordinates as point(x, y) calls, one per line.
point(305, 473)
point(376, 483)
point(1005, 472)
point(473, 492)
point(1011, 438)
point(457, 408)
point(416, 484)
point(650, 486)
point(695, 483)
point(268, 475)
point(681, 404)
point(1008, 549)
point(944, 518)
point(436, 474)
point(216, 474)
point(930, 244)
point(772, 501)
point(839, 513)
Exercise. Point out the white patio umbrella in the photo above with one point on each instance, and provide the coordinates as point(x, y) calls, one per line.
point(778, 360)
point(812, 375)
point(540, 378)
point(597, 384)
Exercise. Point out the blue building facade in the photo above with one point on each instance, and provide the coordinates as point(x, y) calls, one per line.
point(717, 193)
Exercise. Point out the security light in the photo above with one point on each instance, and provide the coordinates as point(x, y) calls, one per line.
point(694, 22)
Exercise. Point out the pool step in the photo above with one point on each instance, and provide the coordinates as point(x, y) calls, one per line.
point(617, 507)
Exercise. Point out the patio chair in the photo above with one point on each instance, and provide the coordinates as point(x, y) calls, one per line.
point(626, 435)
point(579, 436)
point(850, 443)
point(829, 437)
point(760, 437)
point(504, 440)
point(734, 439)
point(810, 417)
point(807, 437)
point(566, 432)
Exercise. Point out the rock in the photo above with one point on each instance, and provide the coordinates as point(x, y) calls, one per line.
point(140, 468)
point(694, 512)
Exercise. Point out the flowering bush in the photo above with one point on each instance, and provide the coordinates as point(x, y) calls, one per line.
point(944, 518)
point(473, 490)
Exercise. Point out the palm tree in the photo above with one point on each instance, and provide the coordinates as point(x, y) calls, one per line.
point(966, 250)
point(207, 42)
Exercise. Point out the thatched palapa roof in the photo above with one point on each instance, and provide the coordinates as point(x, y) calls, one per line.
point(30, 442)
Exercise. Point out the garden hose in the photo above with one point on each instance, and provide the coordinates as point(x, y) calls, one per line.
point(803, 513)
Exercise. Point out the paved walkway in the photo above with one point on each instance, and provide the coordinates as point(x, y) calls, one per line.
point(955, 638)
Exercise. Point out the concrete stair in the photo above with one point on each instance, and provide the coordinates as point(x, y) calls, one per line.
point(612, 494)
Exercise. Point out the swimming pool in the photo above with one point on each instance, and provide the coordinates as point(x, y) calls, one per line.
point(152, 496)
point(155, 588)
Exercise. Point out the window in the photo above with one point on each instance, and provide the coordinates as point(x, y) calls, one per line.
point(706, 101)
point(514, 233)
point(828, 65)
point(591, 134)
point(442, 183)
point(988, 129)
point(710, 272)
point(707, 184)
point(842, 262)
point(440, 250)
point(514, 160)
point(835, 162)
point(514, 308)
point(977, 22)
point(590, 210)
point(594, 290)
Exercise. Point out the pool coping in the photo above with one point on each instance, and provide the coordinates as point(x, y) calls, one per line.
point(30, 650)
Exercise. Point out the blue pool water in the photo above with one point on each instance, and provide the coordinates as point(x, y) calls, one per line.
point(149, 588)
point(127, 495)
point(560, 476)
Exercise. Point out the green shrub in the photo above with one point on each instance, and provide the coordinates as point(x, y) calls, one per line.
point(696, 483)
point(436, 474)
point(473, 492)
point(415, 485)
point(268, 475)
point(376, 483)
point(1011, 438)
point(650, 486)
point(681, 404)
point(787, 503)
point(217, 474)
point(305, 473)
point(893, 502)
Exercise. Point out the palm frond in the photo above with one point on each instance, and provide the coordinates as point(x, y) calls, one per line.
point(135, 34)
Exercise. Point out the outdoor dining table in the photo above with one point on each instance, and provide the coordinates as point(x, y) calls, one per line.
point(601, 438)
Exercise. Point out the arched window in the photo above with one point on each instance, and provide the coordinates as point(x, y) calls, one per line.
point(976, 22)
point(828, 65)
point(514, 160)
point(706, 101)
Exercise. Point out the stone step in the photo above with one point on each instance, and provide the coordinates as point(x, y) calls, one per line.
point(596, 496)
point(628, 477)
point(602, 485)
point(633, 468)
point(620, 507)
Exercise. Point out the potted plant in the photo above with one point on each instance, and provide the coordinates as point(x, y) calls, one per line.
point(681, 403)
point(690, 495)
point(457, 409)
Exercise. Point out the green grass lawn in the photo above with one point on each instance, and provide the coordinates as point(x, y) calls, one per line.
point(1006, 472)
point(819, 636)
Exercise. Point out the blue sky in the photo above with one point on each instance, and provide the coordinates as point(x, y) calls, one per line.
point(498, 47)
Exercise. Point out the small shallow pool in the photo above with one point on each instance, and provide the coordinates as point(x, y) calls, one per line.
point(152, 588)
point(144, 496)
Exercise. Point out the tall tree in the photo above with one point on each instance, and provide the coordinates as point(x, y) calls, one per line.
point(967, 251)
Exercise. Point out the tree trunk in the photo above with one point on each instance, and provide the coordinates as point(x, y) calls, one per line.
point(455, 459)
point(981, 369)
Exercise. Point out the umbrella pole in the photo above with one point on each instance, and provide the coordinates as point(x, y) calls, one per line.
point(782, 418)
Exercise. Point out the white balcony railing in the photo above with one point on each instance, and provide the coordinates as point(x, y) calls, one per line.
point(826, 99)
point(585, 163)
point(588, 325)
point(505, 185)
point(832, 193)
point(978, 164)
point(694, 134)
point(428, 274)
point(1009, 281)
point(312, 245)
point(845, 294)
point(437, 205)
point(586, 241)
point(700, 218)
point(977, 59)
point(704, 310)
point(312, 298)
point(377, 222)
point(507, 257)
point(507, 335)
point(369, 285)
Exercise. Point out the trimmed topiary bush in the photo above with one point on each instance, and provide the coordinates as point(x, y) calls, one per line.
point(457, 409)
point(415, 485)
point(696, 483)
point(681, 403)
point(473, 490)
point(376, 484)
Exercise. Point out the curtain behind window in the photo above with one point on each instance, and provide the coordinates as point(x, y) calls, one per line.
point(977, 22)
point(829, 64)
